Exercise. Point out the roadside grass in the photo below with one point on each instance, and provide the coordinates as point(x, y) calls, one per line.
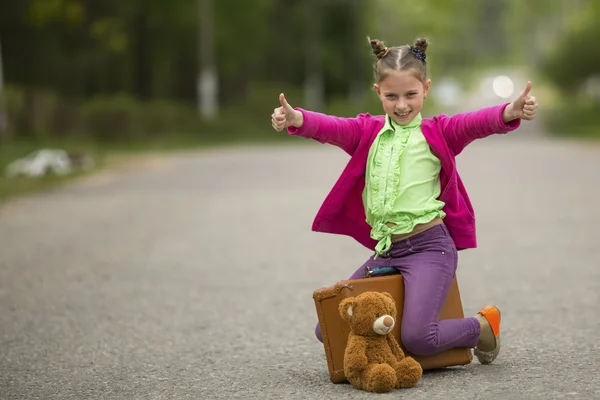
point(107, 154)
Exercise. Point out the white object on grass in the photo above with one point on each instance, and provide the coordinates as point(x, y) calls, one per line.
point(42, 162)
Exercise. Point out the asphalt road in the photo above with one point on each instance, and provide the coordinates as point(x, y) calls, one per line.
point(192, 277)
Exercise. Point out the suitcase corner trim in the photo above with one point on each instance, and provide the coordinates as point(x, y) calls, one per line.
point(332, 291)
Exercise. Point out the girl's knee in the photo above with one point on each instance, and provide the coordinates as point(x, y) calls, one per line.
point(419, 342)
point(318, 333)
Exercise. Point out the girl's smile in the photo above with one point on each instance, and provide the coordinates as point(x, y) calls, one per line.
point(402, 115)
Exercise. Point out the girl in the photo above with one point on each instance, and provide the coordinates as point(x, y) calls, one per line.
point(401, 195)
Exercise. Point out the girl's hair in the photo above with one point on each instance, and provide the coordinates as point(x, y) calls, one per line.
point(400, 58)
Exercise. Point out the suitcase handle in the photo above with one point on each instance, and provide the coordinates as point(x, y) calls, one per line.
point(371, 272)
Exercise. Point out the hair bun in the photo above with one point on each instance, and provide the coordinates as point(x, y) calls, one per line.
point(421, 44)
point(378, 47)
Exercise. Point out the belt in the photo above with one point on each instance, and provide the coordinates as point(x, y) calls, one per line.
point(417, 229)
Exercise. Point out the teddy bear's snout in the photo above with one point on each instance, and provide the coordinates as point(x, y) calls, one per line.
point(383, 325)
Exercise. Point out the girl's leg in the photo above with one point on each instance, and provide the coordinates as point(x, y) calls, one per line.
point(428, 263)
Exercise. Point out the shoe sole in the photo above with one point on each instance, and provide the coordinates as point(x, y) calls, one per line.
point(487, 357)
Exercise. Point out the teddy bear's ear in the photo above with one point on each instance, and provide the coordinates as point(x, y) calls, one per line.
point(388, 295)
point(346, 308)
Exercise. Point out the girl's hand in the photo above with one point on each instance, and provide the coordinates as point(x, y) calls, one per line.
point(286, 116)
point(524, 107)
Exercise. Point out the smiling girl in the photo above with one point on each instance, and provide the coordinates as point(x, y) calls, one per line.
point(401, 195)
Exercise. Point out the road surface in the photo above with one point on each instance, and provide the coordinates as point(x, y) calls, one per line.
point(192, 277)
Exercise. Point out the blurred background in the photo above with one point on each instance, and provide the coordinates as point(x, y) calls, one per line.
point(192, 274)
point(99, 76)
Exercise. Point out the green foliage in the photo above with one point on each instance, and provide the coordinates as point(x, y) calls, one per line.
point(572, 66)
point(45, 12)
point(576, 56)
point(113, 69)
point(109, 118)
point(581, 121)
point(150, 48)
point(117, 119)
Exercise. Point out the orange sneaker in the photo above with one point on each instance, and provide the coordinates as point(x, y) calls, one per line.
point(492, 315)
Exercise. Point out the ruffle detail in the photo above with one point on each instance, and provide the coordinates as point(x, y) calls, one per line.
point(384, 181)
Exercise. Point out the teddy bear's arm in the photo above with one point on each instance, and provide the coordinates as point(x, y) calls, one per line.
point(396, 350)
point(356, 356)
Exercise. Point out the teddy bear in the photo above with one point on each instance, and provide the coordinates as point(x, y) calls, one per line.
point(373, 360)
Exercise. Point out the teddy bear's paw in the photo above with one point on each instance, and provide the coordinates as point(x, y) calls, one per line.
point(409, 372)
point(379, 378)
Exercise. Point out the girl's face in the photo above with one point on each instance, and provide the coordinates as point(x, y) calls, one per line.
point(402, 94)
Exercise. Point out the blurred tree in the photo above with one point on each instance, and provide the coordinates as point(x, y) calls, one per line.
point(451, 27)
point(149, 50)
point(3, 116)
point(576, 56)
point(357, 62)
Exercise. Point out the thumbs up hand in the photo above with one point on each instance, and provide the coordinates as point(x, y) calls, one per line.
point(524, 107)
point(285, 116)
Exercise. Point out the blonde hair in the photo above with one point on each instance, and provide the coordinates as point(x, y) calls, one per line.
point(400, 58)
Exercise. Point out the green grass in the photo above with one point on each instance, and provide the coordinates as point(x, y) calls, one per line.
point(104, 154)
point(12, 150)
point(581, 121)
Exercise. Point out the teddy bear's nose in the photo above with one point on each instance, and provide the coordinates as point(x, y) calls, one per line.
point(388, 321)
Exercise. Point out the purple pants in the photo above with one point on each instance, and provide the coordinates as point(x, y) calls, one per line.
point(427, 262)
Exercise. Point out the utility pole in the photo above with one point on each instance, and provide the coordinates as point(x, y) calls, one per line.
point(207, 84)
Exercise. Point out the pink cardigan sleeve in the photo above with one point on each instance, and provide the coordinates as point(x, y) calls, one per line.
point(342, 132)
point(462, 129)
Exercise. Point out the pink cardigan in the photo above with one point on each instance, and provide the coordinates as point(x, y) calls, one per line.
point(343, 212)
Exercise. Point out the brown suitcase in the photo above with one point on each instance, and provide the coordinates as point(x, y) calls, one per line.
point(335, 331)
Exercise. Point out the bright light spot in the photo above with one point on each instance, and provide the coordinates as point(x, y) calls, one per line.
point(503, 86)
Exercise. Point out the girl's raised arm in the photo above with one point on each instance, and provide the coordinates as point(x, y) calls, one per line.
point(342, 132)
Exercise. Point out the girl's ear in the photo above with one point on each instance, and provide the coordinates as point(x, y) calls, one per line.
point(426, 87)
point(346, 309)
point(377, 89)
